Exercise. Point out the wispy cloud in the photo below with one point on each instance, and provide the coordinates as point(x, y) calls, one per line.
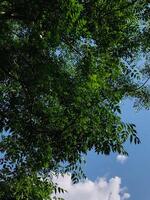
point(101, 189)
point(121, 158)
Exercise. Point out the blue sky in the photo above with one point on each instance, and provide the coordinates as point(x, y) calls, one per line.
point(117, 178)
point(135, 171)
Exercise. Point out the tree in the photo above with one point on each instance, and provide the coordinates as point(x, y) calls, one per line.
point(65, 67)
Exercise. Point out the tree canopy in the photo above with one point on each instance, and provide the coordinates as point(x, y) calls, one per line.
point(65, 66)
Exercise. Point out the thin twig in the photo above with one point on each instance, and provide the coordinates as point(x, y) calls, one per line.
point(143, 84)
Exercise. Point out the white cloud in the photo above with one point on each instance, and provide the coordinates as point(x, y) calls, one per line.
point(125, 196)
point(121, 158)
point(101, 189)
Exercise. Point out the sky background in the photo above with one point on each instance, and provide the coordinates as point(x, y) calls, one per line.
point(116, 177)
point(135, 171)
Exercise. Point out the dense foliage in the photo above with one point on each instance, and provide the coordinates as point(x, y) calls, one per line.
point(65, 66)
